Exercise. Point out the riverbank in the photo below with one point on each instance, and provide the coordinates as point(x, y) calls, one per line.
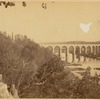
point(80, 68)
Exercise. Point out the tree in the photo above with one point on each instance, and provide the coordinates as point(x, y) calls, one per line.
point(26, 64)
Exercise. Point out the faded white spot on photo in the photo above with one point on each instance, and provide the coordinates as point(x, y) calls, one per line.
point(85, 27)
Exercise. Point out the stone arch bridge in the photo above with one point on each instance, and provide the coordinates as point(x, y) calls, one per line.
point(74, 51)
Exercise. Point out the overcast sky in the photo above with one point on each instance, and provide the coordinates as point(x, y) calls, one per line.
point(59, 22)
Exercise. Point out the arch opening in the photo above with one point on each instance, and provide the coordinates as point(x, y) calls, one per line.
point(57, 51)
point(71, 51)
point(64, 53)
point(97, 50)
point(77, 52)
point(82, 54)
point(83, 50)
point(88, 50)
point(94, 50)
point(50, 48)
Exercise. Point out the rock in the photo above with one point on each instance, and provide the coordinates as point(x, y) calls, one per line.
point(4, 93)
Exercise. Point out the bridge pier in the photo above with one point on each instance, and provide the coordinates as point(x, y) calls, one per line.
point(76, 59)
point(82, 58)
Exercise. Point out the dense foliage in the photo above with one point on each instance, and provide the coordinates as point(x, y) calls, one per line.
point(26, 64)
point(37, 73)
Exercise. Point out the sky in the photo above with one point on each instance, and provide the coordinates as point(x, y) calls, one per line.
point(59, 22)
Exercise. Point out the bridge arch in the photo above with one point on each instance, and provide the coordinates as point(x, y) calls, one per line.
point(71, 51)
point(83, 53)
point(77, 50)
point(50, 48)
point(88, 49)
point(97, 49)
point(94, 50)
point(77, 53)
point(64, 49)
point(64, 53)
point(57, 51)
point(83, 50)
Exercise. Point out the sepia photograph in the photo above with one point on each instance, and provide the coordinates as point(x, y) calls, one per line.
point(50, 49)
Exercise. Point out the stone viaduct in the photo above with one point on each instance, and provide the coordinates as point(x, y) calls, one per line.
point(74, 51)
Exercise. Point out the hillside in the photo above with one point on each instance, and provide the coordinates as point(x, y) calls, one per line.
point(37, 73)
